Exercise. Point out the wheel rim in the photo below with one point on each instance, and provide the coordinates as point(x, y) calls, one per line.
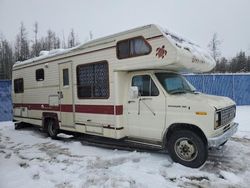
point(186, 149)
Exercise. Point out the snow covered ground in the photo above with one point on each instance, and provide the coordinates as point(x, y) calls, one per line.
point(30, 159)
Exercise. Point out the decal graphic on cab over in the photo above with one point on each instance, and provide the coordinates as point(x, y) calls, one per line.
point(161, 52)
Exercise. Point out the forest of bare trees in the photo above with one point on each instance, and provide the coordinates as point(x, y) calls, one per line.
point(25, 48)
point(239, 63)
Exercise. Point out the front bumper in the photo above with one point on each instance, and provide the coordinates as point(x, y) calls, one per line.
point(218, 140)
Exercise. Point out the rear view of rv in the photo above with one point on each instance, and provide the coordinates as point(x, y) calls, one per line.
point(128, 88)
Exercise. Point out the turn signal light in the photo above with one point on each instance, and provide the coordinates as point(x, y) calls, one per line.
point(201, 113)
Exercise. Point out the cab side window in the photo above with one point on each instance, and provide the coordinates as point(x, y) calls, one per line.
point(146, 85)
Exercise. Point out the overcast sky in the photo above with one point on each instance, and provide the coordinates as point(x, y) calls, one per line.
point(196, 20)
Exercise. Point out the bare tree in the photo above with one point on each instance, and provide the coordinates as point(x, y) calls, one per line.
point(90, 35)
point(72, 39)
point(51, 41)
point(36, 46)
point(35, 42)
point(214, 47)
point(6, 59)
point(63, 40)
point(22, 44)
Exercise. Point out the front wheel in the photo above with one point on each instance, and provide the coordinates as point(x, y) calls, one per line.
point(52, 129)
point(187, 148)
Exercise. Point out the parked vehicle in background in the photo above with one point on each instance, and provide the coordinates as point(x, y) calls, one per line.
point(127, 87)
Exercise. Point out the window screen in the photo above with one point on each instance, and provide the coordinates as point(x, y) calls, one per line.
point(146, 85)
point(39, 74)
point(18, 85)
point(132, 48)
point(93, 81)
point(65, 77)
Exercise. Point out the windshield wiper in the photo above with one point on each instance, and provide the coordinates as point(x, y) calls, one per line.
point(181, 90)
point(178, 91)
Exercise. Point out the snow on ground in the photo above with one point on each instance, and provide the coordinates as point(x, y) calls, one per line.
point(243, 118)
point(28, 158)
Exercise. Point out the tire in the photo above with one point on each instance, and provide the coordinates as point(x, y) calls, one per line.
point(18, 125)
point(52, 129)
point(187, 148)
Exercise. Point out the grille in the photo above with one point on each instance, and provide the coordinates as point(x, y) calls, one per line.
point(226, 115)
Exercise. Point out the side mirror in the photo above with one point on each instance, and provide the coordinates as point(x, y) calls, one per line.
point(133, 92)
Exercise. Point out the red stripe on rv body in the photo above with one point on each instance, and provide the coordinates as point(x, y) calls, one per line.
point(66, 108)
point(37, 106)
point(100, 109)
point(92, 109)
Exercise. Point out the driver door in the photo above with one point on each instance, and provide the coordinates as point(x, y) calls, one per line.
point(146, 113)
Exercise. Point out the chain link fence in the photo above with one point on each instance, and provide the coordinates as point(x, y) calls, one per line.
point(5, 100)
point(234, 86)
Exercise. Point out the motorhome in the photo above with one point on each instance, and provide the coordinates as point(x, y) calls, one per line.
point(126, 87)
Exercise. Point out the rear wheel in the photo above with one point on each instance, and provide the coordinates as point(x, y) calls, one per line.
point(18, 125)
point(52, 129)
point(187, 148)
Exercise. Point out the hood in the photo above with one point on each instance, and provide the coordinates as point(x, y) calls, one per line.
point(217, 102)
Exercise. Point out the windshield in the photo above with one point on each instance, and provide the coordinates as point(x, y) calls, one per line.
point(174, 83)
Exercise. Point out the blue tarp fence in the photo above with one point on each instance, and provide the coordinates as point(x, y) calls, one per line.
point(234, 86)
point(5, 100)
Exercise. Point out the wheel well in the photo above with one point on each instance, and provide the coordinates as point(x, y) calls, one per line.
point(48, 117)
point(179, 126)
point(45, 123)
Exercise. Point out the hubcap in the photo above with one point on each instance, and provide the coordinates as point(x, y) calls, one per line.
point(185, 149)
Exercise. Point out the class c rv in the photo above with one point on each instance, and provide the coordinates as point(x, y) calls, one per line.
point(126, 88)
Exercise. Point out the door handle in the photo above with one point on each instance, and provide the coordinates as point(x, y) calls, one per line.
point(131, 102)
point(144, 99)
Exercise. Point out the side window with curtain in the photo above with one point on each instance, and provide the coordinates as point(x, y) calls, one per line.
point(93, 80)
point(146, 85)
point(138, 47)
point(18, 85)
point(132, 47)
point(123, 49)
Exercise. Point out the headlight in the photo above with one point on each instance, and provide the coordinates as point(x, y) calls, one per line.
point(217, 117)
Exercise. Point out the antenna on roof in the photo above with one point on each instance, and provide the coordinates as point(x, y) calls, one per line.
point(90, 35)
